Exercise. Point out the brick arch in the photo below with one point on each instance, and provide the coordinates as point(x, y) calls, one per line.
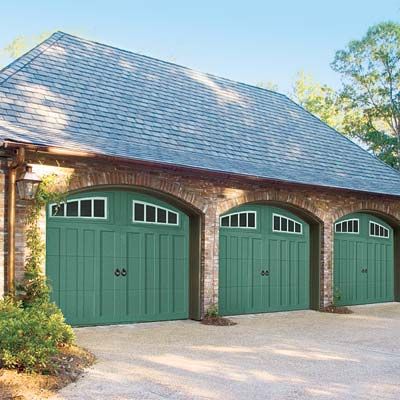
point(387, 211)
point(139, 179)
point(274, 196)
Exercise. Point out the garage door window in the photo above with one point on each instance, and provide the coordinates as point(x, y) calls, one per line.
point(378, 230)
point(95, 208)
point(244, 219)
point(348, 226)
point(281, 223)
point(152, 214)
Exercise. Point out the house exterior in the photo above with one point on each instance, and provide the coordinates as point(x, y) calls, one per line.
point(187, 190)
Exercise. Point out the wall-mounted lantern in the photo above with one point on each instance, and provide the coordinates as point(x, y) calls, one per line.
point(27, 184)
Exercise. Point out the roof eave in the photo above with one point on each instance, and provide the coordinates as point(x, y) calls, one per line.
point(65, 152)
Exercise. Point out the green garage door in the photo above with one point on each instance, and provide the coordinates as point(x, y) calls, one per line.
point(118, 256)
point(264, 261)
point(363, 260)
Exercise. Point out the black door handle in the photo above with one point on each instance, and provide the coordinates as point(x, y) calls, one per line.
point(262, 273)
point(123, 272)
point(266, 273)
point(117, 272)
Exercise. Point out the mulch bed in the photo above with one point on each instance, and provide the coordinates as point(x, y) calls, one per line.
point(67, 367)
point(336, 310)
point(217, 321)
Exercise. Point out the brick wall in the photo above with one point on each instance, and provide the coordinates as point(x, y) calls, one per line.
point(210, 196)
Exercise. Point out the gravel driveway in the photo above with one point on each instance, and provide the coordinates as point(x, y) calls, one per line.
point(296, 355)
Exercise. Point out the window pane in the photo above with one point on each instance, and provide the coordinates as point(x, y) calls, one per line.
point(99, 209)
point(386, 233)
point(291, 226)
point(355, 224)
point(139, 212)
point(350, 226)
point(86, 208)
point(298, 227)
point(161, 215)
point(150, 214)
point(251, 220)
point(371, 229)
point(57, 210)
point(339, 227)
point(376, 230)
point(72, 209)
point(234, 220)
point(344, 226)
point(243, 219)
point(284, 224)
point(277, 223)
point(172, 218)
point(381, 231)
point(225, 221)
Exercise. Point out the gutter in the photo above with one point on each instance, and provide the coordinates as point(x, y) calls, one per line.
point(60, 151)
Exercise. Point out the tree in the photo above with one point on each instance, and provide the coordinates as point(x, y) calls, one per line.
point(370, 97)
point(320, 100)
point(268, 85)
point(23, 43)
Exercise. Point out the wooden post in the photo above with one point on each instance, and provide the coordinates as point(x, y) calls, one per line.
point(12, 177)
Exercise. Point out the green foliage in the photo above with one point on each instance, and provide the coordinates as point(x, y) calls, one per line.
point(29, 337)
point(320, 100)
point(212, 311)
point(21, 44)
point(34, 288)
point(268, 85)
point(32, 328)
point(370, 68)
point(367, 107)
point(337, 296)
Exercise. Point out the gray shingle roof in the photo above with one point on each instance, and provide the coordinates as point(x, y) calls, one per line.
point(73, 93)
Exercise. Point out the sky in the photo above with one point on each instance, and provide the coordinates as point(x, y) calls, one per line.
point(249, 41)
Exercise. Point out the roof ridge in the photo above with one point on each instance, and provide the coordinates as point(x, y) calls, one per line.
point(171, 63)
point(22, 61)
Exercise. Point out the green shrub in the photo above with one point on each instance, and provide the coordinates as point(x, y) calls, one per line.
point(30, 336)
point(212, 311)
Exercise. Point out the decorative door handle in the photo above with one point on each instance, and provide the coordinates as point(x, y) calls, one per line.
point(262, 273)
point(266, 273)
point(123, 272)
point(117, 272)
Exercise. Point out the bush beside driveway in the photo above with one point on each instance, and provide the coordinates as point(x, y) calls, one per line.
point(296, 355)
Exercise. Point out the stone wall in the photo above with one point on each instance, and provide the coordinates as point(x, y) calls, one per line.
point(210, 195)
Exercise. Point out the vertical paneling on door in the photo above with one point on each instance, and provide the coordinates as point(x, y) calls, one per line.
point(363, 264)
point(262, 270)
point(83, 255)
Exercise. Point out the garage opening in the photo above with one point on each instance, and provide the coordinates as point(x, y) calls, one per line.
point(265, 258)
point(119, 256)
point(363, 260)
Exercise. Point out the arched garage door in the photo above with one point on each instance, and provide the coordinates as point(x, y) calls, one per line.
point(117, 256)
point(264, 261)
point(363, 260)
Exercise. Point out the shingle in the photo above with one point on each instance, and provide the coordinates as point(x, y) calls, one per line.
point(78, 94)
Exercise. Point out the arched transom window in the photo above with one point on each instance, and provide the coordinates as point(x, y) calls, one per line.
point(153, 214)
point(242, 219)
point(348, 226)
point(378, 230)
point(281, 223)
